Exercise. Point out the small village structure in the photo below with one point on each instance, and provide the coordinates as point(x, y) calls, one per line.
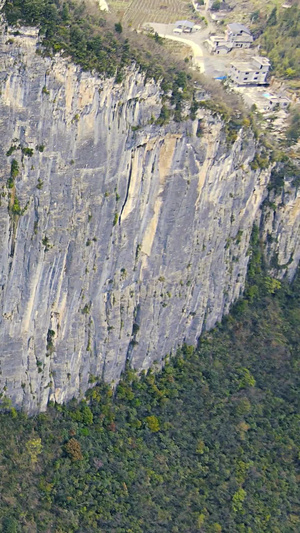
point(265, 101)
point(185, 26)
point(250, 73)
point(217, 44)
point(238, 35)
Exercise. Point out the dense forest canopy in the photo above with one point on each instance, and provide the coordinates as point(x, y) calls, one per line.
point(208, 444)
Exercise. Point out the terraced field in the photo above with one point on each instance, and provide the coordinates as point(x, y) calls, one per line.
point(137, 12)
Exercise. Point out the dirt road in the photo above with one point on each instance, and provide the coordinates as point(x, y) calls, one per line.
point(196, 48)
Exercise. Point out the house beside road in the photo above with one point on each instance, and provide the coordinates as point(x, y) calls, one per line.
point(217, 44)
point(186, 26)
point(250, 73)
point(238, 35)
point(266, 102)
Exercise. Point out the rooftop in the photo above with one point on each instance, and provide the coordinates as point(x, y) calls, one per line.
point(244, 66)
point(237, 27)
point(185, 23)
point(262, 60)
point(217, 38)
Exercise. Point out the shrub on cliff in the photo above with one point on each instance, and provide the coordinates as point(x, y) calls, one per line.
point(99, 43)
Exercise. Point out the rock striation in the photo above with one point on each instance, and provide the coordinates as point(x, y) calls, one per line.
point(119, 239)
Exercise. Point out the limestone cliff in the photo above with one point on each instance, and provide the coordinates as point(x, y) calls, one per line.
point(119, 239)
point(280, 228)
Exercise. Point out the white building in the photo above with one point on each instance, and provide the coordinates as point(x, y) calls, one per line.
point(254, 73)
point(238, 35)
point(217, 44)
point(185, 25)
point(266, 102)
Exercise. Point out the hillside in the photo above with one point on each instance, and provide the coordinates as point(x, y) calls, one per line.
point(91, 38)
point(209, 444)
point(277, 30)
point(128, 229)
point(281, 42)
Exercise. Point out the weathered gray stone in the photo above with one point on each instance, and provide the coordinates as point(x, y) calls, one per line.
point(133, 237)
point(280, 224)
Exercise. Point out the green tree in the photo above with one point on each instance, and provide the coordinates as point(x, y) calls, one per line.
point(238, 499)
point(153, 423)
point(14, 168)
point(293, 130)
point(73, 449)
point(272, 20)
point(34, 448)
point(10, 525)
point(216, 5)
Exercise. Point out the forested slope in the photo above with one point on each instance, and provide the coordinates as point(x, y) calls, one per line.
point(281, 41)
point(209, 444)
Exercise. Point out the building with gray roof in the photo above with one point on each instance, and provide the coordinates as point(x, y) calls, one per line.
point(185, 25)
point(238, 35)
point(250, 73)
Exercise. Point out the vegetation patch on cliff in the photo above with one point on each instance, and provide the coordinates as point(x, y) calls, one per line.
point(92, 39)
point(99, 43)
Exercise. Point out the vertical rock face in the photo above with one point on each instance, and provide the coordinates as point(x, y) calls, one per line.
point(280, 223)
point(119, 239)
